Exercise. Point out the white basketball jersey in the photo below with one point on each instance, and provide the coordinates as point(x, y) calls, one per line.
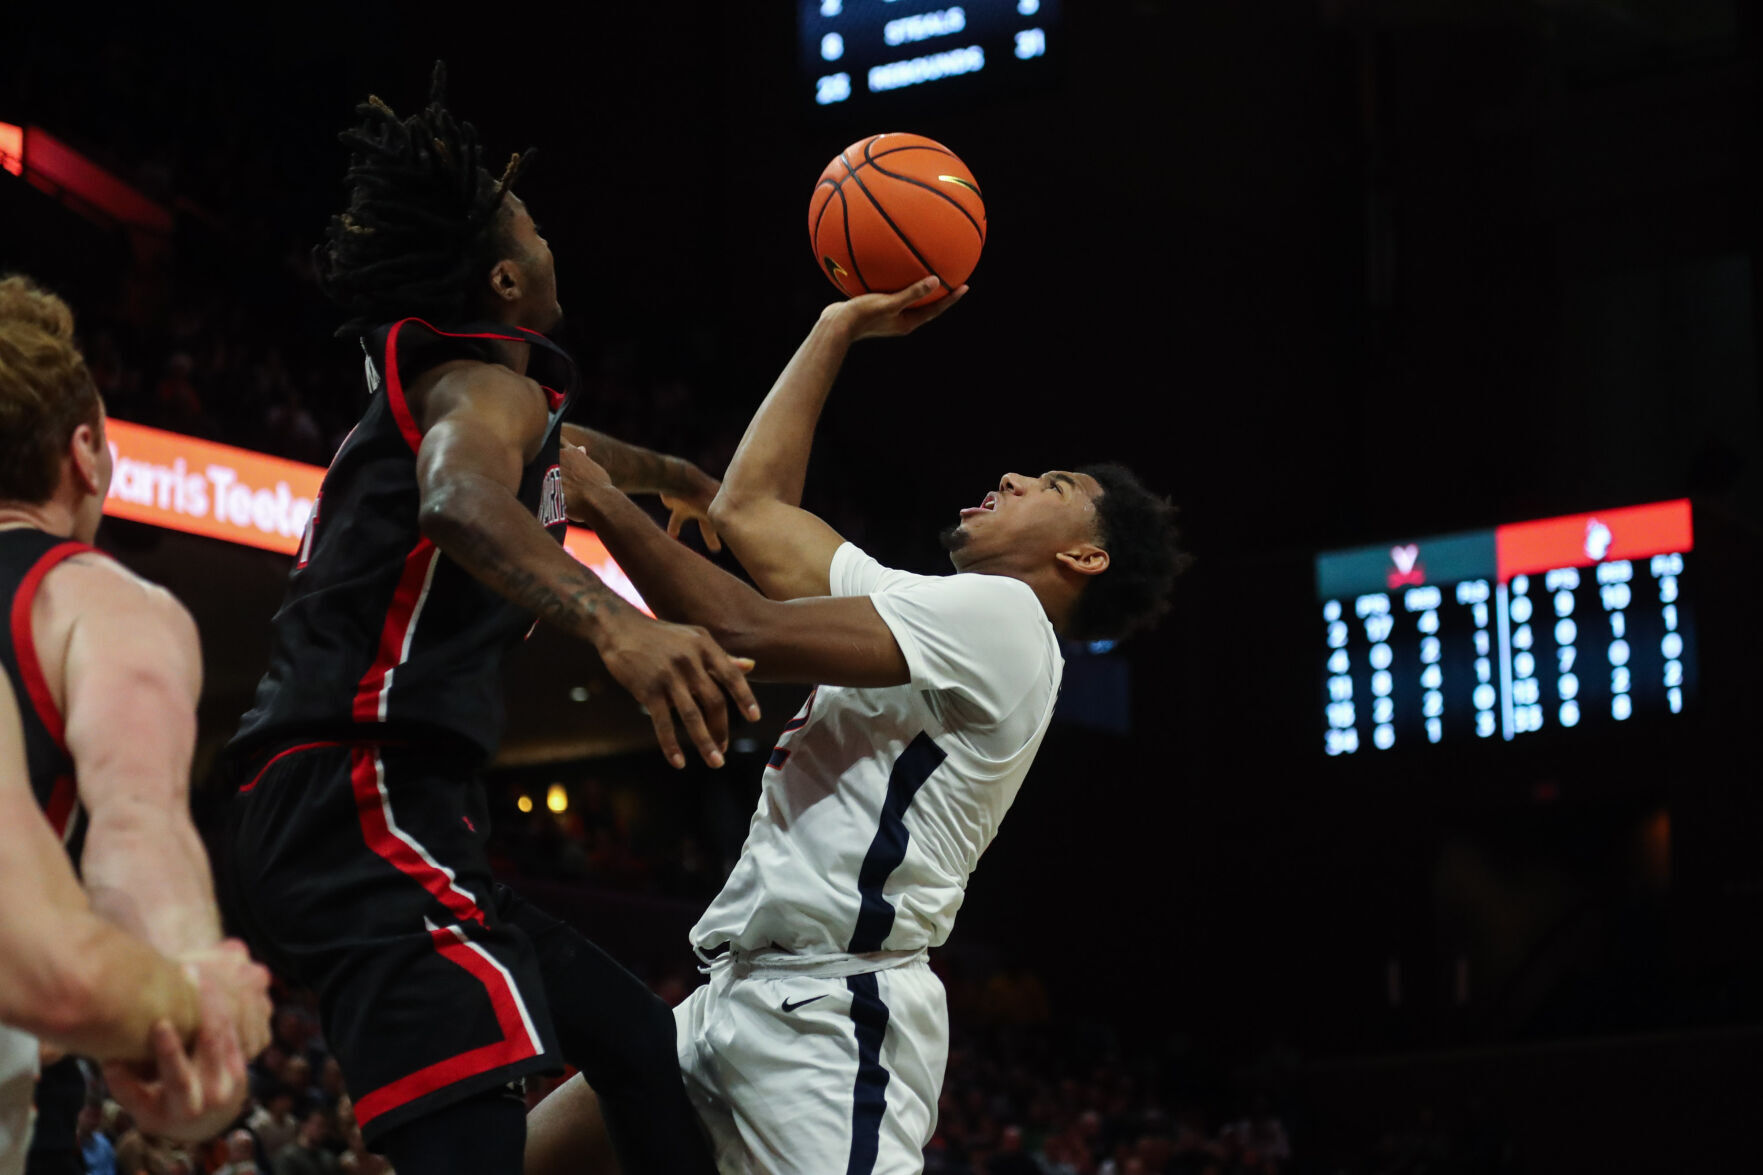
point(877, 803)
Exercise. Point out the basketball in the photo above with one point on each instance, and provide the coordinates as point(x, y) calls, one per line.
point(891, 209)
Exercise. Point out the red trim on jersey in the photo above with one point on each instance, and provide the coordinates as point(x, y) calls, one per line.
point(24, 643)
point(395, 385)
point(64, 798)
point(278, 757)
point(395, 389)
point(402, 852)
point(399, 618)
point(517, 1043)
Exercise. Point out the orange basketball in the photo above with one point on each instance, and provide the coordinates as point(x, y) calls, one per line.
point(892, 209)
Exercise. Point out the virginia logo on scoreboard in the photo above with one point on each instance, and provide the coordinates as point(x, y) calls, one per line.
point(1405, 566)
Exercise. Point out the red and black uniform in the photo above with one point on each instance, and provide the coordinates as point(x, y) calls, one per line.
point(26, 556)
point(354, 861)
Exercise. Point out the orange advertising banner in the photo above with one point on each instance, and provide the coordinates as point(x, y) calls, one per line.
point(200, 487)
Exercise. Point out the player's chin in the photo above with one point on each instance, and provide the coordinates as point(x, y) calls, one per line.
point(954, 538)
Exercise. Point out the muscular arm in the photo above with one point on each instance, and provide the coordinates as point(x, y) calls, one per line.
point(131, 672)
point(66, 974)
point(787, 550)
point(481, 423)
point(836, 641)
point(637, 470)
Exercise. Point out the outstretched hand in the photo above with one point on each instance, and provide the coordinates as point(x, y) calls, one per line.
point(582, 474)
point(874, 316)
point(694, 508)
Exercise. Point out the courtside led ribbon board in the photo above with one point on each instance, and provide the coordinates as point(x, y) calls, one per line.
point(218, 491)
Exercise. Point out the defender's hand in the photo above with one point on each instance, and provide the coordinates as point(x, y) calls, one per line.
point(188, 1098)
point(582, 477)
point(694, 507)
point(236, 987)
point(673, 668)
point(872, 316)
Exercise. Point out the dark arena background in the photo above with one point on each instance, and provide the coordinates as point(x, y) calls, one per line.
point(1364, 286)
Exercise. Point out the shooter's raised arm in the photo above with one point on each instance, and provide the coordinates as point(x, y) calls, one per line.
point(786, 549)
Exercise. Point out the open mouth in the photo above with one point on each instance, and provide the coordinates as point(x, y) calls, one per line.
point(986, 507)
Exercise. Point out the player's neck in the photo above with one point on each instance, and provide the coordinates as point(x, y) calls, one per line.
point(514, 356)
point(1057, 595)
point(51, 517)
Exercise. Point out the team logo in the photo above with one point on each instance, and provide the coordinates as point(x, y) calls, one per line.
point(551, 511)
point(1405, 566)
point(1597, 540)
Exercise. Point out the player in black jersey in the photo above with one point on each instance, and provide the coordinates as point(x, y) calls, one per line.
point(103, 670)
point(356, 836)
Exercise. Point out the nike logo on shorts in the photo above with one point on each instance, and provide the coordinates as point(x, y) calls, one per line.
point(791, 1007)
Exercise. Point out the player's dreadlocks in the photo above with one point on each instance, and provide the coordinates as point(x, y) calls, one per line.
point(423, 224)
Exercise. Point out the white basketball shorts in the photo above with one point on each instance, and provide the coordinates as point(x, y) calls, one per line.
point(798, 1074)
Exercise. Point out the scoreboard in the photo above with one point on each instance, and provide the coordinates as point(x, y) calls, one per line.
point(859, 54)
point(1523, 631)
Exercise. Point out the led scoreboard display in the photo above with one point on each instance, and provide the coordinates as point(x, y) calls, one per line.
point(854, 52)
point(1506, 634)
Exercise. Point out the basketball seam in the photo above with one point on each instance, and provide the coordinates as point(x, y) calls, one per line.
point(904, 239)
point(849, 170)
point(937, 192)
point(850, 250)
point(814, 235)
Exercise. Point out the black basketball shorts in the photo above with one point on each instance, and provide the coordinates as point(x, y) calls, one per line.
point(358, 869)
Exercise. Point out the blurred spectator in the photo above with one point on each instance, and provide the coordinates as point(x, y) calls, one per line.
point(1259, 1140)
point(308, 1154)
point(241, 1155)
point(274, 1122)
point(95, 1148)
point(1011, 1159)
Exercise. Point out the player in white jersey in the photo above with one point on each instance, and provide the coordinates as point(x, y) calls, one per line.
point(819, 1043)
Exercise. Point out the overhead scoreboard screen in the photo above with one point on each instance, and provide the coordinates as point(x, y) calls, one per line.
point(857, 54)
point(1562, 625)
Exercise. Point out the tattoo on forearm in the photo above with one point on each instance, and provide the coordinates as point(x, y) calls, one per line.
point(585, 595)
point(637, 470)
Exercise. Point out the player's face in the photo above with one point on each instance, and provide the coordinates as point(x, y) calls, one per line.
point(1027, 517)
point(539, 307)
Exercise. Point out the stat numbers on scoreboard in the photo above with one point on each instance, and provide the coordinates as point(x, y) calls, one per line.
point(1503, 657)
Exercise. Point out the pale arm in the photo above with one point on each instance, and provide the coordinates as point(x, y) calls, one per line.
point(67, 975)
point(132, 674)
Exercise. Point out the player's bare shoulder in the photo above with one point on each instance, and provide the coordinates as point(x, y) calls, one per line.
point(482, 388)
point(94, 592)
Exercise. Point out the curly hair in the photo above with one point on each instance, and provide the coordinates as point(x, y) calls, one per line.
point(424, 221)
point(46, 390)
point(1138, 530)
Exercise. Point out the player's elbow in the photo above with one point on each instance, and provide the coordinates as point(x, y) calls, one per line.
point(446, 515)
point(730, 508)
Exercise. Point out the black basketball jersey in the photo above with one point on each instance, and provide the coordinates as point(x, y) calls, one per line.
point(26, 556)
point(380, 636)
